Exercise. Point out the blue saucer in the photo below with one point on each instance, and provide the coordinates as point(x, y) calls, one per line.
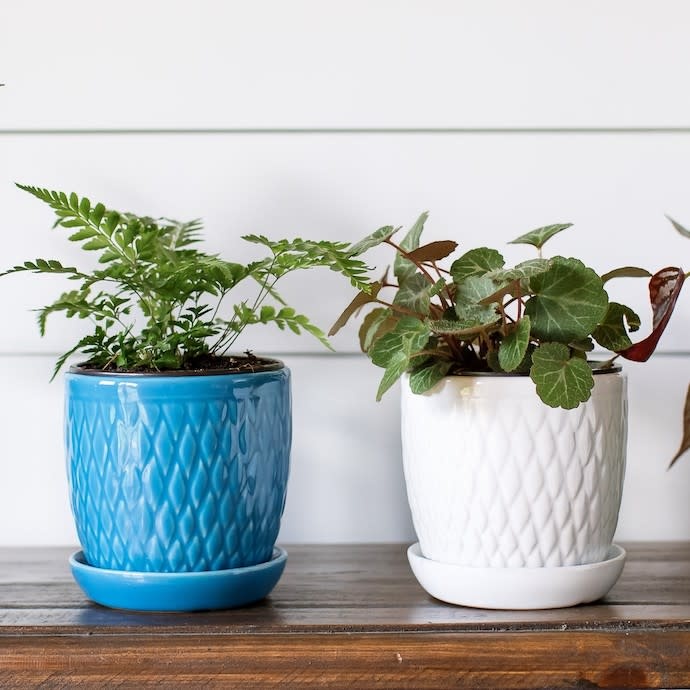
point(197, 591)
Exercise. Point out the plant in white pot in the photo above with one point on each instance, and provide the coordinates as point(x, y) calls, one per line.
point(177, 452)
point(514, 496)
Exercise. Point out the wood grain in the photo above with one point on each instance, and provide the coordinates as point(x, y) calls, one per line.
point(403, 660)
point(352, 617)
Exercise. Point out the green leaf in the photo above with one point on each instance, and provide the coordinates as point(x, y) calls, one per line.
point(521, 271)
point(112, 220)
point(514, 346)
point(496, 297)
point(584, 345)
point(83, 234)
point(569, 301)
point(414, 234)
point(492, 361)
point(537, 238)
point(475, 319)
point(402, 268)
point(469, 296)
point(96, 215)
point(424, 379)
point(318, 334)
point(396, 367)
point(683, 231)
point(476, 262)
point(376, 238)
point(612, 332)
point(626, 272)
point(474, 290)
point(415, 294)
point(467, 327)
point(376, 323)
point(409, 336)
point(561, 380)
point(290, 255)
point(95, 244)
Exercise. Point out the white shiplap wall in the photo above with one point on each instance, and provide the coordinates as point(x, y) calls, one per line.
point(328, 119)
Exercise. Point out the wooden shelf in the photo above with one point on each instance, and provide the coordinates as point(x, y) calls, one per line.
point(349, 617)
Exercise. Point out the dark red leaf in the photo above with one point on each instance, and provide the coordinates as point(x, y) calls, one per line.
point(664, 288)
point(434, 251)
point(357, 303)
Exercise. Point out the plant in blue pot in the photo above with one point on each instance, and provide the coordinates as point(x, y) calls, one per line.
point(177, 451)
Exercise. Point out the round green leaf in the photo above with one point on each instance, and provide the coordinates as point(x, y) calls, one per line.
point(409, 336)
point(612, 333)
point(562, 380)
point(569, 301)
point(476, 262)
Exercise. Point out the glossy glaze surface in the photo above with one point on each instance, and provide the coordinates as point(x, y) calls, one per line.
point(216, 589)
point(178, 474)
point(496, 478)
point(517, 589)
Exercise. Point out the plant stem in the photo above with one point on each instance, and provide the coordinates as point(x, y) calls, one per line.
point(420, 266)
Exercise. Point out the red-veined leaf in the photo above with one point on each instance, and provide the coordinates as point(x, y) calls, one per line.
point(664, 288)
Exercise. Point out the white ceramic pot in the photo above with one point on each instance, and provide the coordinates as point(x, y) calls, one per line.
point(495, 478)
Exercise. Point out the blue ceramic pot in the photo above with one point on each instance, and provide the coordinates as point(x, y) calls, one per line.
point(178, 473)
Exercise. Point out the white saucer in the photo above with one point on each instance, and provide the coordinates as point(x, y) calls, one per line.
point(517, 588)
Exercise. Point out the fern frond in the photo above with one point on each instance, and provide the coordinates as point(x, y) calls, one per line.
point(45, 266)
point(297, 254)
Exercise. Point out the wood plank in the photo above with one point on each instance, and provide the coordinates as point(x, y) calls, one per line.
point(425, 617)
point(346, 616)
point(521, 660)
point(344, 64)
point(363, 587)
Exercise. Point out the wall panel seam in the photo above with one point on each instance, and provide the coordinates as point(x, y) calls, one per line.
point(134, 131)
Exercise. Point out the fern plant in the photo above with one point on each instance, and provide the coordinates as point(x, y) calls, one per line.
point(541, 317)
point(156, 301)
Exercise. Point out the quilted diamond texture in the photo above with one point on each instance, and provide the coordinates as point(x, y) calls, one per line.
point(178, 474)
point(496, 478)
